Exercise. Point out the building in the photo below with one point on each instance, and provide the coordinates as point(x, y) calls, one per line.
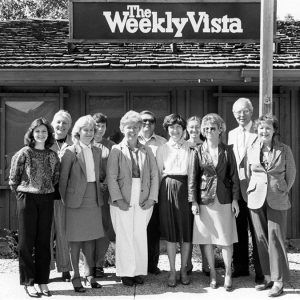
point(40, 72)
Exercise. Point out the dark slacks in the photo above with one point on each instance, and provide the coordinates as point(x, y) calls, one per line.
point(241, 249)
point(153, 236)
point(35, 213)
point(270, 231)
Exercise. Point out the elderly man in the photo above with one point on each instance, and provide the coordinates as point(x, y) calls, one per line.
point(149, 138)
point(241, 138)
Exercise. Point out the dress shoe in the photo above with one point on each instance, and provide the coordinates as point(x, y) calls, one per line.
point(154, 271)
point(91, 281)
point(128, 281)
point(44, 290)
point(138, 279)
point(66, 276)
point(240, 273)
point(275, 291)
point(172, 280)
point(31, 291)
point(98, 272)
point(264, 286)
point(78, 288)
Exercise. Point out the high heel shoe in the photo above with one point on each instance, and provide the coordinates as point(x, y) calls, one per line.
point(213, 281)
point(44, 290)
point(92, 282)
point(172, 279)
point(31, 291)
point(185, 279)
point(228, 284)
point(78, 288)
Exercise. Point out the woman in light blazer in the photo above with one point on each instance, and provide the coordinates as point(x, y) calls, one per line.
point(271, 171)
point(81, 192)
point(132, 179)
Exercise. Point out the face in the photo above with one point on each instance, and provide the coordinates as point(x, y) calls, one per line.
point(40, 134)
point(100, 131)
point(265, 132)
point(61, 126)
point(148, 124)
point(242, 114)
point(193, 128)
point(86, 134)
point(131, 131)
point(175, 132)
point(211, 131)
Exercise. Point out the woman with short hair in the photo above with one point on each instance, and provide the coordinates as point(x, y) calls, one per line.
point(214, 192)
point(132, 180)
point(271, 171)
point(33, 175)
point(80, 188)
point(174, 210)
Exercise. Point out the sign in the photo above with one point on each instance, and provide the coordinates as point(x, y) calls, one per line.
point(163, 21)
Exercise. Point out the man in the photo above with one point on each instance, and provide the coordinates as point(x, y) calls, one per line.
point(149, 138)
point(241, 138)
point(102, 244)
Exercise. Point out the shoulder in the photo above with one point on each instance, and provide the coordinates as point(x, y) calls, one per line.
point(160, 139)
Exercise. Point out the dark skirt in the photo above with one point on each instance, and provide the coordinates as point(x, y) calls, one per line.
point(176, 218)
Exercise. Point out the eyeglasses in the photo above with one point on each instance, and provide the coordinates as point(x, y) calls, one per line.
point(210, 128)
point(243, 111)
point(151, 121)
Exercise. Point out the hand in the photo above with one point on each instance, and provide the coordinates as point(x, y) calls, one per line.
point(123, 205)
point(235, 208)
point(147, 204)
point(195, 208)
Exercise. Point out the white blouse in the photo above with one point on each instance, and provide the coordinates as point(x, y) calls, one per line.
point(173, 158)
point(89, 162)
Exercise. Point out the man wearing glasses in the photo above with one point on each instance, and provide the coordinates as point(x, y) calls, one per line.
point(149, 138)
point(241, 138)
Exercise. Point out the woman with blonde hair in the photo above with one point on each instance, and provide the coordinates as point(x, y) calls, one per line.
point(132, 180)
point(81, 193)
point(214, 192)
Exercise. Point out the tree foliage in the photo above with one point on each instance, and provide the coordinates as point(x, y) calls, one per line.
point(28, 9)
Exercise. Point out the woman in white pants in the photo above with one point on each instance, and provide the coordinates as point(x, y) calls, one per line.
point(132, 179)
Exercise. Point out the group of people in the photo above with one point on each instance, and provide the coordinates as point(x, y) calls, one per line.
point(83, 191)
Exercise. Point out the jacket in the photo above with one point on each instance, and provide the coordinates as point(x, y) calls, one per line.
point(271, 185)
point(240, 159)
point(73, 179)
point(119, 173)
point(205, 181)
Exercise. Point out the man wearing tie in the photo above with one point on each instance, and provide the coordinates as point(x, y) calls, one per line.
point(241, 138)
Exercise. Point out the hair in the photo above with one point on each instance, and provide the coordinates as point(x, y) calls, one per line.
point(243, 101)
point(190, 119)
point(62, 113)
point(100, 118)
point(130, 116)
point(270, 120)
point(174, 119)
point(29, 139)
point(80, 123)
point(148, 112)
point(214, 119)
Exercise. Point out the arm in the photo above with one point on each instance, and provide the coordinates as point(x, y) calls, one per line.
point(56, 169)
point(16, 170)
point(290, 174)
point(160, 162)
point(194, 180)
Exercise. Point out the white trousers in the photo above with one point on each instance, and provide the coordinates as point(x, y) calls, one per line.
point(131, 235)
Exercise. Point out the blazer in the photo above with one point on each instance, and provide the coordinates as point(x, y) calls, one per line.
point(271, 185)
point(240, 159)
point(205, 181)
point(73, 179)
point(119, 173)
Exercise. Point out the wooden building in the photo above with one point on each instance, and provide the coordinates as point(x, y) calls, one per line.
point(40, 72)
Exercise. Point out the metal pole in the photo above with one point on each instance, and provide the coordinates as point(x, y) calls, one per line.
point(266, 57)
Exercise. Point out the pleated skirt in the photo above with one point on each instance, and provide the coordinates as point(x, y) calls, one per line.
point(176, 218)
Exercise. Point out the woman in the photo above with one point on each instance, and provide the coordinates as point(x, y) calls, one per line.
point(81, 192)
point(193, 128)
point(61, 124)
point(214, 192)
point(271, 172)
point(174, 209)
point(132, 179)
point(34, 173)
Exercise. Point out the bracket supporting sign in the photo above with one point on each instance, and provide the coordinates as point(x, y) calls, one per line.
point(164, 21)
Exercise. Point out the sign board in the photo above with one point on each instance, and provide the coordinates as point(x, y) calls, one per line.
point(164, 21)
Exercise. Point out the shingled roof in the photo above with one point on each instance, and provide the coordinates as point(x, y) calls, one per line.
point(37, 44)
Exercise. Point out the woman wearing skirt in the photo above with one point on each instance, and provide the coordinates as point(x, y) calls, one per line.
point(174, 210)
